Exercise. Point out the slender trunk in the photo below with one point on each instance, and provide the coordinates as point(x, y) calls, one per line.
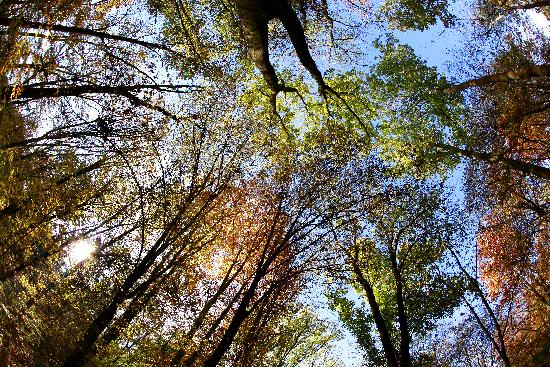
point(190, 361)
point(85, 346)
point(528, 168)
point(238, 318)
point(26, 92)
point(30, 142)
point(199, 320)
point(135, 307)
point(404, 342)
point(295, 31)
point(243, 310)
point(389, 350)
point(500, 347)
point(33, 260)
point(254, 17)
point(15, 207)
point(517, 74)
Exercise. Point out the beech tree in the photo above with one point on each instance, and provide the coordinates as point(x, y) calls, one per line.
point(394, 256)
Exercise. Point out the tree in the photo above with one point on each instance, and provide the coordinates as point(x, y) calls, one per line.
point(393, 258)
point(496, 10)
point(514, 223)
point(422, 130)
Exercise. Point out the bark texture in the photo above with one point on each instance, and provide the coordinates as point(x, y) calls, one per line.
point(508, 76)
point(255, 16)
point(387, 346)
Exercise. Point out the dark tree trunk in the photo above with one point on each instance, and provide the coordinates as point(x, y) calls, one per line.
point(498, 342)
point(26, 92)
point(238, 318)
point(528, 168)
point(389, 350)
point(404, 342)
point(292, 24)
point(138, 303)
point(14, 207)
point(199, 320)
point(533, 5)
point(254, 16)
point(85, 346)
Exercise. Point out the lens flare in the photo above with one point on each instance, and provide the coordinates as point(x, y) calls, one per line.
point(80, 251)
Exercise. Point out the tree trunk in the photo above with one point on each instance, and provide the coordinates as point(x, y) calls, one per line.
point(528, 168)
point(14, 207)
point(78, 90)
point(85, 346)
point(533, 5)
point(508, 76)
point(199, 320)
point(190, 361)
point(254, 17)
point(295, 31)
point(389, 351)
point(238, 318)
point(136, 306)
point(499, 344)
point(404, 342)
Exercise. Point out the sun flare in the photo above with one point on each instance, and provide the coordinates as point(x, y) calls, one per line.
point(80, 251)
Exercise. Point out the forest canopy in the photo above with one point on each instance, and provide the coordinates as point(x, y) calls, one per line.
point(274, 183)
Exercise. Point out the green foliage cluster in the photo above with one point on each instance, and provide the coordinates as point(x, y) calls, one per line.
point(420, 15)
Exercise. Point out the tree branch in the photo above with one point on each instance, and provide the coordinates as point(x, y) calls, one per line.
point(527, 72)
point(23, 23)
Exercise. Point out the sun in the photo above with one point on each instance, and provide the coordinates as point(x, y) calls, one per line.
point(80, 250)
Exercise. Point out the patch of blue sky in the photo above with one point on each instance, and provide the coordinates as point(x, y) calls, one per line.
point(345, 349)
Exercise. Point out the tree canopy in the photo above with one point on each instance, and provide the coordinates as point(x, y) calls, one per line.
point(274, 183)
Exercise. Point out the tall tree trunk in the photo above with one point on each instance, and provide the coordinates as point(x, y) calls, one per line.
point(389, 350)
point(85, 346)
point(138, 304)
point(254, 16)
point(499, 344)
point(199, 320)
point(190, 361)
point(528, 168)
point(508, 76)
point(404, 342)
point(243, 311)
point(238, 318)
point(26, 92)
point(295, 31)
